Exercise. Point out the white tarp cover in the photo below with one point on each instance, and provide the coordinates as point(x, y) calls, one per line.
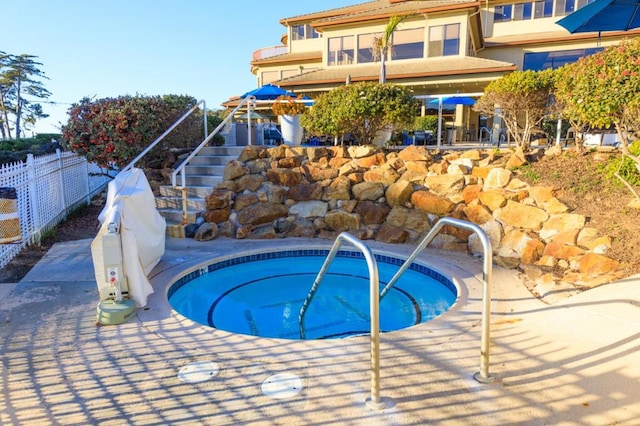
point(142, 232)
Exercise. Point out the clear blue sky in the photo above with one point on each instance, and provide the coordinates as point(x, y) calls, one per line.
point(108, 48)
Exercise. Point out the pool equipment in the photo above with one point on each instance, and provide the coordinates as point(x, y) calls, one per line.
point(374, 402)
point(129, 244)
point(114, 307)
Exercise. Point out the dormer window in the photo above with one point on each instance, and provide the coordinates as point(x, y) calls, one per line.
point(303, 32)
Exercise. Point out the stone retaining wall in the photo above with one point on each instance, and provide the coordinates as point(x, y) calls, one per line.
point(397, 196)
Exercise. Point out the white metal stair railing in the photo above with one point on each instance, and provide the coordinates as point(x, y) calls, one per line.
point(374, 308)
point(487, 271)
point(249, 101)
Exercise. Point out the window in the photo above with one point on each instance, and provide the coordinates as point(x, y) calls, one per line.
point(297, 32)
point(543, 9)
point(564, 7)
point(543, 60)
point(444, 40)
point(522, 11)
point(269, 76)
point(365, 47)
point(303, 32)
point(408, 44)
point(341, 50)
point(311, 32)
point(502, 13)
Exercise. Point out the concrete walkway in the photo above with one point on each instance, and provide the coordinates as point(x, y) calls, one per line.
point(574, 363)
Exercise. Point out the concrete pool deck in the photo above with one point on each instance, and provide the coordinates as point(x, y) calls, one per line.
point(573, 363)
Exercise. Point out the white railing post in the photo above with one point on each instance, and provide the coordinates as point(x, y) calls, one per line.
point(249, 105)
point(33, 198)
point(61, 180)
point(87, 181)
point(204, 113)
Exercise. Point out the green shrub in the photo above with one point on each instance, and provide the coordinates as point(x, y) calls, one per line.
point(361, 109)
point(428, 122)
point(627, 170)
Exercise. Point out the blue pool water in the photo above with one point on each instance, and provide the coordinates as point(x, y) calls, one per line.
point(262, 294)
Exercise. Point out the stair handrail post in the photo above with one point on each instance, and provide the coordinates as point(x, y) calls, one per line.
point(204, 114)
point(250, 105)
point(162, 136)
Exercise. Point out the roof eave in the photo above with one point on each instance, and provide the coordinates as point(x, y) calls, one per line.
point(349, 19)
point(404, 76)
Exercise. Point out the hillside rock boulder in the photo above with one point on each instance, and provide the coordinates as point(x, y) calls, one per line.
point(261, 213)
point(521, 216)
point(370, 191)
point(432, 203)
point(339, 220)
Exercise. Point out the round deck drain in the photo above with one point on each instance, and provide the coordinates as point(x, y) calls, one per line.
point(197, 372)
point(283, 385)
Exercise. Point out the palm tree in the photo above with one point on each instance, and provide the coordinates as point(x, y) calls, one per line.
point(382, 45)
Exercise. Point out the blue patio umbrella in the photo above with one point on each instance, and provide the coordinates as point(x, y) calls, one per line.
point(603, 15)
point(268, 92)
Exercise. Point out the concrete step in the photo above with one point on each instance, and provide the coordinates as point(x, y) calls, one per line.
point(213, 170)
point(175, 215)
point(194, 191)
point(222, 150)
point(176, 230)
point(202, 174)
point(203, 180)
point(197, 204)
point(213, 160)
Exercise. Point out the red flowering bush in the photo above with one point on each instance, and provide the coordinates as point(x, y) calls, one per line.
point(112, 131)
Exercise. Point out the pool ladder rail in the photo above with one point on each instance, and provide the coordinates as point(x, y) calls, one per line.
point(483, 375)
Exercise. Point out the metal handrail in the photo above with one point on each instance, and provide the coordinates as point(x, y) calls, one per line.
point(487, 271)
point(489, 136)
point(250, 102)
point(374, 308)
point(166, 132)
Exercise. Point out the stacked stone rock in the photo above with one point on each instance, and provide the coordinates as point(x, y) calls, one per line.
point(397, 196)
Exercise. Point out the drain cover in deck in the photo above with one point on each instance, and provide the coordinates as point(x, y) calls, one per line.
point(197, 372)
point(283, 385)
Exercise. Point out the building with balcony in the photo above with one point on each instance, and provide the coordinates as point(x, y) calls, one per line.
point(443, 47)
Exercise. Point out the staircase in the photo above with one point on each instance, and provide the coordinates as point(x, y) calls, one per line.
point(202, 174)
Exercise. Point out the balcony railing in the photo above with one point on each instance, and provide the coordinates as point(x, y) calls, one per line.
point(267, 52)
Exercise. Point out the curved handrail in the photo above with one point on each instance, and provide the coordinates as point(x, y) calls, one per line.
point(166, 132)
point(374, 308)
point(487, 271)
point(489, 137)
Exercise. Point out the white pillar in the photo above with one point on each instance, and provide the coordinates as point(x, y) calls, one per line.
point(559, 131)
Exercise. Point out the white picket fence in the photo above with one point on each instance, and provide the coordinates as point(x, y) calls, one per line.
point(48, 187)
